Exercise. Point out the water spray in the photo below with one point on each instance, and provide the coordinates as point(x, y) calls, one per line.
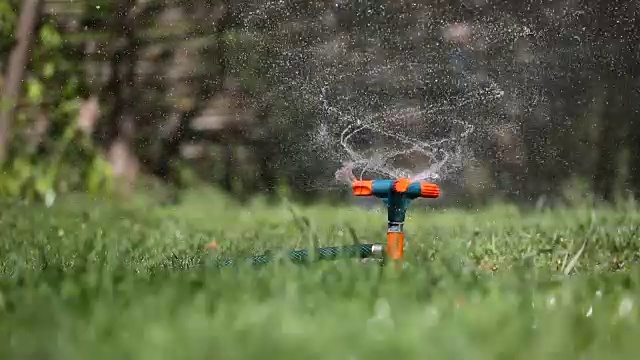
point(397, 195)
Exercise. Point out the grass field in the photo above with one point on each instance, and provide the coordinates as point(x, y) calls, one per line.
point(92, 280)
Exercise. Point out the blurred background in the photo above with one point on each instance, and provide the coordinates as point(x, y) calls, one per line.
point(251, 97)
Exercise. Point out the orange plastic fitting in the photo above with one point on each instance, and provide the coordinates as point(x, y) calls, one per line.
point(429, 190)
point(401, 185)
point(362, 187)
point(395, 245)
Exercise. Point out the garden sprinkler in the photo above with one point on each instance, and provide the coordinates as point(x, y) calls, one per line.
point(396, 195)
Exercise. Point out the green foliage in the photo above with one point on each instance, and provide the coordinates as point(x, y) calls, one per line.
point(136, 282)
point(7, 23)
point(64, 159)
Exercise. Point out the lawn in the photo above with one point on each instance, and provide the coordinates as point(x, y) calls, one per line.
point(94, 280)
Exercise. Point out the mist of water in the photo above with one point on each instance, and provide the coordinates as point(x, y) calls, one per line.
point(375, 117)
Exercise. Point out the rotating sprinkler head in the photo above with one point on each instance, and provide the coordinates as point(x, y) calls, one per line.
point(396, 195)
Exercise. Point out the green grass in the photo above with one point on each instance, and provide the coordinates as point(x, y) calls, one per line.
point(93, 280)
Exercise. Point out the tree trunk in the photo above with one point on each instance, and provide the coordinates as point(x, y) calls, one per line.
point(534, 139)
point(121, 125)
point(634, 158)
point(633, 140)
point(18, 61)
point(610, 137)
point(222, 18)
point(229, 173)
point(264, 151)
